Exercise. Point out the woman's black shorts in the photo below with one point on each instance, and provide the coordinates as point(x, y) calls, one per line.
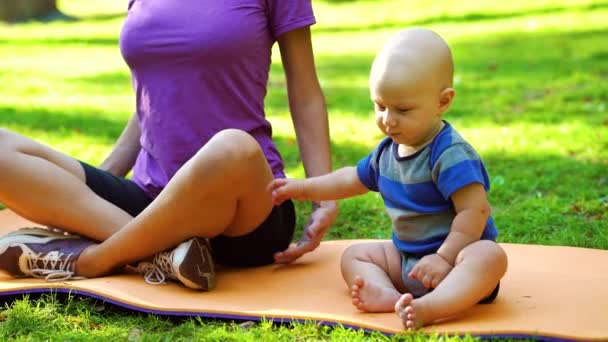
point(254, 249)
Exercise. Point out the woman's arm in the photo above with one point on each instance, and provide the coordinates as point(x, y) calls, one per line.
point(122, 158)
point(309, 115)
point(306, 101)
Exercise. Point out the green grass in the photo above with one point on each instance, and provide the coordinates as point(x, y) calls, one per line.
point(532, 97)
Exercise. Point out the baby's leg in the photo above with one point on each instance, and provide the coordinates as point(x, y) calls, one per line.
point(372, 272)
point(478, 269)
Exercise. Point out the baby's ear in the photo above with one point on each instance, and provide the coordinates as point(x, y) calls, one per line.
point(445, 99)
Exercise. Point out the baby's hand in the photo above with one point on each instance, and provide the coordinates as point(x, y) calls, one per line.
point(430, 270)
point(283, 189)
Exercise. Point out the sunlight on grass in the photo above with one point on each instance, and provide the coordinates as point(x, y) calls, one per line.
point(370, 14)
point(518, 96)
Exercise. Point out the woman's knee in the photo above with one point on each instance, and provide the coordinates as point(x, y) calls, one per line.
point(11, 142)
point(7, 145)
point(232, 158)
point(236, 143)
point(232, 151)
point(5, 137)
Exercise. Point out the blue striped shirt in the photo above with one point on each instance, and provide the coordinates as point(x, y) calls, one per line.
point(416, 189)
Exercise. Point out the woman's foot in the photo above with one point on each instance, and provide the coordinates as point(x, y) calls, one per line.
point(369, 297)
point(412, 312)
point(190, 263)
point(41, 253)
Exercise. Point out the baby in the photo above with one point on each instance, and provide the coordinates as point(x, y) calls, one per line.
point(443, 258)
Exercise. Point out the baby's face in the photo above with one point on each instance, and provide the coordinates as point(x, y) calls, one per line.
point(408, 112)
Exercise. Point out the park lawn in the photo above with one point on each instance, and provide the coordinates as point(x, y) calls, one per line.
point(532, 98)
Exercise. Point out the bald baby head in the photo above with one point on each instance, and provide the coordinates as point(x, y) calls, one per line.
point(413, 57)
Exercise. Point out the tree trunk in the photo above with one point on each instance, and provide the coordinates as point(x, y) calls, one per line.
point(21, 10)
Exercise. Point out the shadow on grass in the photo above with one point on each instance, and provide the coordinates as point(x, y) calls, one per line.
point(343, 154)
point(547, 78)
point(335, 74)
point(103, 16)
point(66, 40)
point(105, 83)
point(60, 16)
point(83, 121)
point(440, 19)
point(454, 19)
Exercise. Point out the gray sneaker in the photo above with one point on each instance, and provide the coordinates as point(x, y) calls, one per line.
point(190, 263)
point(41, 253)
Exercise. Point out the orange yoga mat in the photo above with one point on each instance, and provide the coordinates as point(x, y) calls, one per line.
point(549, 293)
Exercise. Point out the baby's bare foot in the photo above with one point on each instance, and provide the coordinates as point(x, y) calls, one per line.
point(370, 297)
point(413, 313)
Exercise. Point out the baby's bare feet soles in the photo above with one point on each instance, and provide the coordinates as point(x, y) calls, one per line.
point(406, 310)
point(369, 297)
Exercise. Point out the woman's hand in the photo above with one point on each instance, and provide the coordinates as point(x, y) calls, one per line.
point(322, 217)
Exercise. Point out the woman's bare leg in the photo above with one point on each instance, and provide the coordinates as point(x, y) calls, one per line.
point(372, 272)
point(478, 269)
point(221, 190)
point(48, 187)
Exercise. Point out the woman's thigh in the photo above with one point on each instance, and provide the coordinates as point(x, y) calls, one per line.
point(120, 191)
point(12, 143)
point(230, 175)
point(220, 191)
point(49, 187)
point(258, 247)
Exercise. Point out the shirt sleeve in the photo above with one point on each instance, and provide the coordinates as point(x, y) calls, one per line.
point(458, 166)
point(288, 15)
point(367, 169)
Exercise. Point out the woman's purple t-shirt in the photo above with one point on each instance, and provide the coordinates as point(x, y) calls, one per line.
point(199, 67)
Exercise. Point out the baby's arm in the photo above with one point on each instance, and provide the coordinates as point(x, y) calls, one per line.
point(339, 184)
point(472, 212)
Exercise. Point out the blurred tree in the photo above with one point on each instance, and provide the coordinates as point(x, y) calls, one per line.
point(21, 10)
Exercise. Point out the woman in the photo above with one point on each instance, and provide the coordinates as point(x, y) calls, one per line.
point(198, 144)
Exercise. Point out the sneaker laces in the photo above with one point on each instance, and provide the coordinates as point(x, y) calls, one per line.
point(52, 266)
point(157, 271)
